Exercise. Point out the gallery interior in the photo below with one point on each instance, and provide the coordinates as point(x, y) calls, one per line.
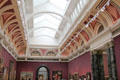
point(59, 39)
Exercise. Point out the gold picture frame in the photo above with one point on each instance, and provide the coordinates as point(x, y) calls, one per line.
point(26, 76)
point(11, 71)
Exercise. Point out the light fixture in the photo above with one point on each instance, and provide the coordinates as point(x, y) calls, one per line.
point(97, 14)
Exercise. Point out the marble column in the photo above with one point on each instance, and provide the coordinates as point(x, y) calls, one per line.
point(97, 65)
point(111, 62)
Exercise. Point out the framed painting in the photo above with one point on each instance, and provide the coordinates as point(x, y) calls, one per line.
point(80, 77)
point(83, 77)
point(70, 77)
point(1, 65)
point(56, 75)
point(6, 73)
point(23, 76)
point(88, 76)
point(1, 68)
point(76, 76)
point(11, 71)
point(29, 76)
point(15, 75)
point(26, 76)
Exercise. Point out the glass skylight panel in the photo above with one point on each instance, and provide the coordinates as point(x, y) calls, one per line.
point(84, 2)
point(47, 20)
point(56, 16)
point(81, 5)
point(44, 32)
point(39, 2)
point(78, 7)
point(59, 3)
point(49, 7)
point(75, 11)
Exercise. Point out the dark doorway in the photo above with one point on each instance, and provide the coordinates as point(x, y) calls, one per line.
point(42, 73)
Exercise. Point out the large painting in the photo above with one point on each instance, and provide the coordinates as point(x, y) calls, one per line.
point(26, 76)
point(56, 75)
point(1, 68)
point(5, 73)
point(1, 65)
point(11, 71)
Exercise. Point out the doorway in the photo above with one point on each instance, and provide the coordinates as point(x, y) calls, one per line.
point(42, 73)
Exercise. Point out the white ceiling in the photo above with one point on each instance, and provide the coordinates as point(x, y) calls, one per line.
point(47, 17)
point(48, 21)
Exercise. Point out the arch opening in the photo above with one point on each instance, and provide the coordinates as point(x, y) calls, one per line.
point(42, 73)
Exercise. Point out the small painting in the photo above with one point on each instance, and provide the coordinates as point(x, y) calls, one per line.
point(57, 75)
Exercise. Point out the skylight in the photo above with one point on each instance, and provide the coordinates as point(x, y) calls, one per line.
point(44, 32)
point(48, 15)
point(46, 20)
point(59, 3)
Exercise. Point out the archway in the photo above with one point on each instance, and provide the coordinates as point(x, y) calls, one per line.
point(42, 73)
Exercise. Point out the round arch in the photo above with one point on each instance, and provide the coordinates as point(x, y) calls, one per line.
point(42, 66)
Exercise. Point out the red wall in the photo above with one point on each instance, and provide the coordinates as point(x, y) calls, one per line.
point(33, 66)
point(82, 64)
point(117, 54)
point(7, 58)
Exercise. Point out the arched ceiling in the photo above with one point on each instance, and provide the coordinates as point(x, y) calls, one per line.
point(10, 22)
point(105, 19)
point(47, 19)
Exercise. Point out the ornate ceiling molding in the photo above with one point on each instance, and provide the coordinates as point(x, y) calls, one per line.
point(11, 24)
point(105, 19)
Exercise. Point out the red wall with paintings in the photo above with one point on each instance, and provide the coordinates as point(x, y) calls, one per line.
point(7, 58)
point(33, 66)
point(82, 64)
point(117, 54)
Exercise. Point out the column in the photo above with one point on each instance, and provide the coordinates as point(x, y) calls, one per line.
point(111, 62)
point(97, 65)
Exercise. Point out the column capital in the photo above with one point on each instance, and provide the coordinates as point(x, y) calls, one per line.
point(110, 44)
point(94, 51)
point(97, 51)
